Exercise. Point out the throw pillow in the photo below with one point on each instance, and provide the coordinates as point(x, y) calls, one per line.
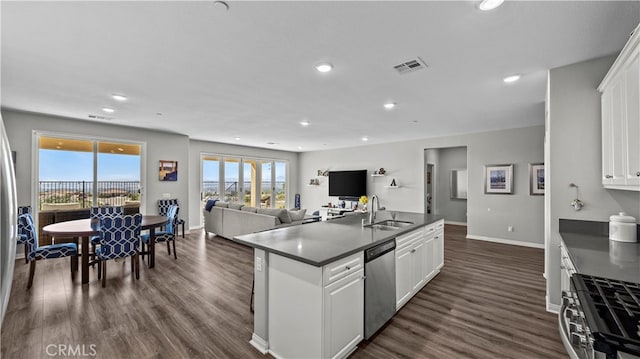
point(210, 204)
point(281, 213)
point(297, 215)
point(222, 204)
point(249, 209)
point(237, 206)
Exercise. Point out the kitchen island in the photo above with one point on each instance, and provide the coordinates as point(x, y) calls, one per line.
point(309, 279)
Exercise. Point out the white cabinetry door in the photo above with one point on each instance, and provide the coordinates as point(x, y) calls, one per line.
point(343, 315)
point(621, 119)
point(438, 249)
point(428, 260)
point(632, 127)
point(420, 263)
point(404, 275)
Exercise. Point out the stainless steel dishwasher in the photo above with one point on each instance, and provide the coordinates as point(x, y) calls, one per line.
point(379, 286)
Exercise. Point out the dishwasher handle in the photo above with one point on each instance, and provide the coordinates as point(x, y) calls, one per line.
point(379, 250)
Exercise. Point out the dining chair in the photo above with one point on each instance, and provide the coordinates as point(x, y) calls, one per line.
point(36, 252)
point(22, 237)
point(96, 214)
point(119, 238)
point(168, 234)
point(163, 207)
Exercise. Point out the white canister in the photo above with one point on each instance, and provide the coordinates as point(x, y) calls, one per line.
point(622, 228)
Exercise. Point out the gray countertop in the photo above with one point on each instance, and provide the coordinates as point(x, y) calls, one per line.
point(594, 254)
point(321, 243)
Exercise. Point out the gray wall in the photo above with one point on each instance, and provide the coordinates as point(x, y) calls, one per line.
point(159, 146)
point(488, 215)
point(453, 210)
point(197, 148)
point(574, 156)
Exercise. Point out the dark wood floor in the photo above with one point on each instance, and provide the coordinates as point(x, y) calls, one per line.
point(488, 302)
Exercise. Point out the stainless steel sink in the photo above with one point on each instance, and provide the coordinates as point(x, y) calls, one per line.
point(382, 227)
point(393, 223)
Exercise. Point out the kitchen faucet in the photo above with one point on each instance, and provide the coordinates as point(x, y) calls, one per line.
point(375, 204)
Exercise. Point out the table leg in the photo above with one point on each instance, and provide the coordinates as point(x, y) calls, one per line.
point(152, 247)
point(85, 260)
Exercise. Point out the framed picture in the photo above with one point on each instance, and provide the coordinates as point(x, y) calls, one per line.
point(498, 179)
point(536, 179)
point(168, 170)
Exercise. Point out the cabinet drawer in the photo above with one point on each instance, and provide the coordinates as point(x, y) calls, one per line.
point(342, 268)
point(406, 239)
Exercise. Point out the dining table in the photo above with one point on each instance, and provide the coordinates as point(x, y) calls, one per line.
point(83, 229)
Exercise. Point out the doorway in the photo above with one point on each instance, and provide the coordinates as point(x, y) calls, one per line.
point(445, 181)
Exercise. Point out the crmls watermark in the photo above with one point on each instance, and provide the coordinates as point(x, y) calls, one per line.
point(71, 350)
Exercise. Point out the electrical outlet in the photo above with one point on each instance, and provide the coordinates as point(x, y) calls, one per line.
point(488, 209)
point(510, 228)
point(259, 264)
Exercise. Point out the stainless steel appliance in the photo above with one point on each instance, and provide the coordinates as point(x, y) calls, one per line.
point(379, 286)
point(600, 318)
point(8, 220)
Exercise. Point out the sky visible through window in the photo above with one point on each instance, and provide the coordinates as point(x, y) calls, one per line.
point(78, 166)
point(210, 170)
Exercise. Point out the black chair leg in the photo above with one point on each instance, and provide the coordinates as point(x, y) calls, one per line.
point(253, 283)
point(183, 230)
point(175, 255)
point(32, 271)
point(104, 275)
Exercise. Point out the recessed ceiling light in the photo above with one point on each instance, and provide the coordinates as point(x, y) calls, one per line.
point(305, 123)
point(158, 113)
point(119, 97)
point(108, 110)
point(272, 143)
point(236, 138)
point(324, 67)
point(487, 5)
point(512, 78)
point(299, 147)
point(365, 138)
point(389, 105)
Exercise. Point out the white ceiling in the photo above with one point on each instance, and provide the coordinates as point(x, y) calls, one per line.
point(249, 72)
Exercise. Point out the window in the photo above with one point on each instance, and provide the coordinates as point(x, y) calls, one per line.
point(252, 181)
point(81, 173)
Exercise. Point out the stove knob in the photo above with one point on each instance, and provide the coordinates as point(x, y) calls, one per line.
point(579, 339)
point(571, 314)
point(576, 328)
point(567, 301)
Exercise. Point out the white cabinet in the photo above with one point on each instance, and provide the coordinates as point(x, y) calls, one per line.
point(343, 315)
point(438, 245)
point(621, 119)
point(315, 312)
point(417, 256)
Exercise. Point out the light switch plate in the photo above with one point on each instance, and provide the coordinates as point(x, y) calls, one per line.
point(259, 264)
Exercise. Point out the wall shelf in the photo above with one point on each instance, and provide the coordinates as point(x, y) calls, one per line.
point(393, 187)
point(377, 175)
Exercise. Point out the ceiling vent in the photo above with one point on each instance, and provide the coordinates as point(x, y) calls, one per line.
point(96, 117)
point(410, 66)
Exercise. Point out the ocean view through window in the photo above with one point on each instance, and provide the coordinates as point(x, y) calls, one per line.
point(67, 167)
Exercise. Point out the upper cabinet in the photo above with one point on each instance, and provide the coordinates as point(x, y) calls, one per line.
point(620, 90)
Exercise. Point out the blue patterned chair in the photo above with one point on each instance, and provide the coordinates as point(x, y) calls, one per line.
point(169, 233)
point(163, 207)
point(22, 237)
point(96, 214)
point(36, 253)
point(119, 238)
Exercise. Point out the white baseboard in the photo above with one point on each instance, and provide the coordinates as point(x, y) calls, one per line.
point(552, 308)
point(456, 223)
point(259, 343)
point(506, 241)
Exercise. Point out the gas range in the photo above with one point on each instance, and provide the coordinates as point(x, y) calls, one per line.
point(601, 318)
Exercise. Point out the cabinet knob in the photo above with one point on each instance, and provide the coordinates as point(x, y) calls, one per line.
point(609, 176)
point(638, 174)
point(413, 251)
point(347, 268)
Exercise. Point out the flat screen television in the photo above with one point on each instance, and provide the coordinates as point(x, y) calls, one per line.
point(348, 184)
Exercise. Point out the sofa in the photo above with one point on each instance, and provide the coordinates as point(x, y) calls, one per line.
point(233, 219)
